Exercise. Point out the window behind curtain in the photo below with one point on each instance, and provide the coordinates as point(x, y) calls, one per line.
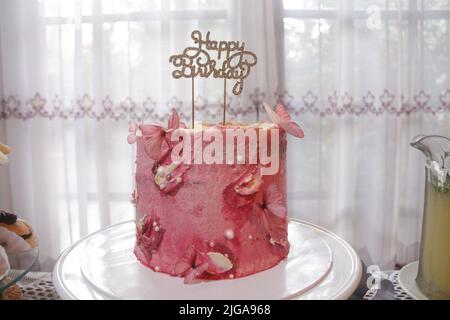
point(363, 46)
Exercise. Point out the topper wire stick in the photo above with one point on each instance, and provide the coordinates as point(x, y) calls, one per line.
point(224, 100)
point(193, 103)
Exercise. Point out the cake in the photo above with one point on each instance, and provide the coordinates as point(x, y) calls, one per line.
point(205, 209)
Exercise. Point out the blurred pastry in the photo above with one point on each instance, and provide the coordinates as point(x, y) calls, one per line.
point(16, 235)
point(12, 293)
point(4, 151)
point(4, 263)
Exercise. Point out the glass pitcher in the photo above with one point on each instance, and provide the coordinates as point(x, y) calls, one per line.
point(433, 277)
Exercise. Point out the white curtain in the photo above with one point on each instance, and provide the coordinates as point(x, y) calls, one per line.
point(361, 77)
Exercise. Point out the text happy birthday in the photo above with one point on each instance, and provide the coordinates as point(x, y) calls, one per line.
point(232, 60)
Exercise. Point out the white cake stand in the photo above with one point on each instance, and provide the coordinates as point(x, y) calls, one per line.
point(407, 281)
point(320, 265)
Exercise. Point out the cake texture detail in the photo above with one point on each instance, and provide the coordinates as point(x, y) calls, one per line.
point(216, 220)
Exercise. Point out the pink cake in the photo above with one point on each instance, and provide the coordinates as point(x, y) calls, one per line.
point(219, 220)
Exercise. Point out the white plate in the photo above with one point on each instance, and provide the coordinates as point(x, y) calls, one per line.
point(102, 266)
point(407, 280)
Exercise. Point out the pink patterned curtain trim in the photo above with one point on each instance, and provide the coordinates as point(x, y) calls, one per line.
point(334, 105)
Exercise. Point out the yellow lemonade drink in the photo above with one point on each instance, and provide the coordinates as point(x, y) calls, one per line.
point(433, 277)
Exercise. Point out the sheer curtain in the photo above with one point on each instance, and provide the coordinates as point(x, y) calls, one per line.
point(361, 77)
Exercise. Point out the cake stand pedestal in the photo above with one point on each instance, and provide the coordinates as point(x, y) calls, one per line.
point(320, 265)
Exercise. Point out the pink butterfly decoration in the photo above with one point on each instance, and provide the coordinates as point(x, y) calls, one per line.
point(274, 201)
point(193, 264)
point(282, 118)
point(274, 218)
point(133, 128)
point(149, 234)
point(154, 134)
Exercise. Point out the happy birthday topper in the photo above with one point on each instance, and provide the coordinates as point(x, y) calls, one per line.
point(230, 62)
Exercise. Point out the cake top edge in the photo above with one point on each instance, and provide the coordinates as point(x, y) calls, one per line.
point(228, 125)
point(280, 118)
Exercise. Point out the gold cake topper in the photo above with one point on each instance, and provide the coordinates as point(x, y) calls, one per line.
point(231, 62)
